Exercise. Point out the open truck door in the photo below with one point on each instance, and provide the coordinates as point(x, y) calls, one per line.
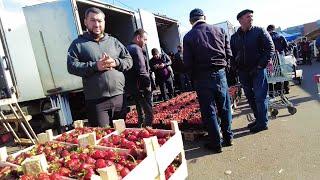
point(8, 89)
point(146, 20)
point(52, 27)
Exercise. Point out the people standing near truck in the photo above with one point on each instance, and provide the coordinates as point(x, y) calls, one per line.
point(177, 65)
point(100, 60)
point(252, 48)
point(160, 64)
point(281, 46)
point(138, 81)
point(205, 55)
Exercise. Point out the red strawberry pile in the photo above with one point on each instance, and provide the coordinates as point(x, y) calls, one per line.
point(42, 176)
point(72, 137)
point(180, 108)
point(133, 138)
point(80, 162)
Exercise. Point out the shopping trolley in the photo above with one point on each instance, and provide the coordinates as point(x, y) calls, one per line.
point(278, 72)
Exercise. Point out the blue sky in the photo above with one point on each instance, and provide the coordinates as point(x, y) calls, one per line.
point(283, 13)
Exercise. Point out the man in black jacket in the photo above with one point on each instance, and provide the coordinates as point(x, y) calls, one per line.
point(138, 83)
point(100, 60)
point(206, 53)
point(252, 48)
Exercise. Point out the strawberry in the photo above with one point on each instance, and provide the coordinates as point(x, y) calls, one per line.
point(132, 138)
point(100, 163)
point(90, 160)
point(65, 153)
point(64, 171)
point(27, 177)
point(124, 171)
point(98, 154)
point(43, 176)
point(144, 133)
point(119, 167)
point(88, 174)
point(55, 176)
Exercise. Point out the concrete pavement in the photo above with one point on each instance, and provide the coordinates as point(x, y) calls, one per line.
point(290, 149)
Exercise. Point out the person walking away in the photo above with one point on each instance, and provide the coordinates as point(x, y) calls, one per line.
point(206, 52)
point(100, 60)
point(252, 48)
point(138, 81)
point(281, 46)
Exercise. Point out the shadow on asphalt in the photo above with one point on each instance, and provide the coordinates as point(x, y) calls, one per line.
point(195, 149)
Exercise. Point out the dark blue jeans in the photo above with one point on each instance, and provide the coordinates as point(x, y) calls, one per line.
point(255, 87)
point(214, 101)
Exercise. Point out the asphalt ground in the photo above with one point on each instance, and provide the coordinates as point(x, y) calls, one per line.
point(290, 149)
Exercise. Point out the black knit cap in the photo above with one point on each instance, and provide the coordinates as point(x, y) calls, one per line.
point(196, 12)
point(240, 14)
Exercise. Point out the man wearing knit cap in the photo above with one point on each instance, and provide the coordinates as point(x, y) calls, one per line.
point(206, 53)
point(252, 48)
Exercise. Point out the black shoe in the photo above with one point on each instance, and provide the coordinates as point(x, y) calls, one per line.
point(215, 149)
point(227, 143)
point(256, 129)
point(250, 125)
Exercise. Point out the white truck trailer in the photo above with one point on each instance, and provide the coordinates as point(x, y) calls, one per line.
point(38, 49)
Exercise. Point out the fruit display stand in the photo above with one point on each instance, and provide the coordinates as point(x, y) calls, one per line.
point(152, 166)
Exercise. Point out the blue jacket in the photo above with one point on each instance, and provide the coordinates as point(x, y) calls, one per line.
point(279, 41)
point(206, 48)
point(251, 49)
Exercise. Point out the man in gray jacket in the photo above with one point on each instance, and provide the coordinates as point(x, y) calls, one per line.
point(100, 60)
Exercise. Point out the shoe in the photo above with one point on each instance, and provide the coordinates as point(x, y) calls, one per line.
point(215, 149)
point(250, 125)
point(227, 143)
point(256, 129)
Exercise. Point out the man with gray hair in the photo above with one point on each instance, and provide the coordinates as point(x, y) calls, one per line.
point(206, 53)
point(100, 60)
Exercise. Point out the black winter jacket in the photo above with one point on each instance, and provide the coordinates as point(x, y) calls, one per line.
point(251, 49)
point(206, 49)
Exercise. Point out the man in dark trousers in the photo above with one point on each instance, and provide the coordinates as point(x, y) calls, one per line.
point(100, 60)
point(206, 53)
point(252, 48)
point(138, 82)
point(177, 64)
point(160, 64)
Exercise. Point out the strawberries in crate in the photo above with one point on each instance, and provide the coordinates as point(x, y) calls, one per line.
point(81, 162)
point(133, 138)
point(72, 137)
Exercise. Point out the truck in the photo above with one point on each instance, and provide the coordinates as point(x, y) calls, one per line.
point(38, 51)
point(228, 27)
